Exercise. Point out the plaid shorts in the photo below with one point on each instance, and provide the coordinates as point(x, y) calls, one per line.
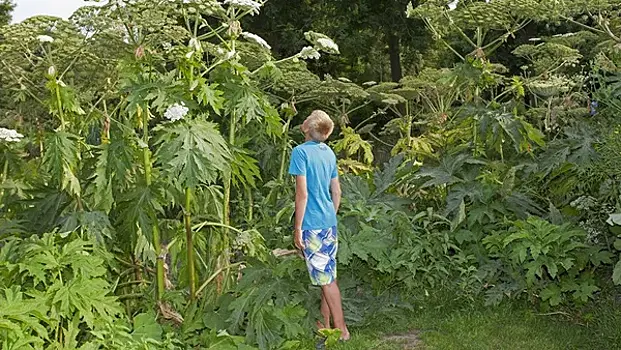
point(320, 247)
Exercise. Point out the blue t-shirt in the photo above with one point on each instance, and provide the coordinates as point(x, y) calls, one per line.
point(317, 162)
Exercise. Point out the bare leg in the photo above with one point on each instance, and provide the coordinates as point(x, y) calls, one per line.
point(325, 310)
point(332, 295)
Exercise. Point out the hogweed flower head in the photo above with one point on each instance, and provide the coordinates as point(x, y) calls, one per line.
point(45, 39)
point(10, 135)
point(230, 55)
point(328, 45)
point(176, 112)
point(251, 5)
point(257, 39)
point(195, 44)
point(309, 52)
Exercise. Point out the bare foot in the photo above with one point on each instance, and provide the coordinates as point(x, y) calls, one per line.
point(345, 336)
point(320, 325)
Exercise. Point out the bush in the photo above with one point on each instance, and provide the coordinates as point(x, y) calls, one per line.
point(551, 263)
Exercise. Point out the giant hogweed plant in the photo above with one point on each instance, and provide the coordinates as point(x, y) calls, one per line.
point(56, 294)
point(549, 262)
point(148, 146)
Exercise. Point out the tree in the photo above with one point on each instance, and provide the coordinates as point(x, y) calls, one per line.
point(386, 21)
point(374, 35)
point(6, 7)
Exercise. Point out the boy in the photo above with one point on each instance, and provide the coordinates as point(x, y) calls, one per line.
point(317, 200)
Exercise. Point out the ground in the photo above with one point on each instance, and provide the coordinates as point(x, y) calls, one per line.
point(516, 326)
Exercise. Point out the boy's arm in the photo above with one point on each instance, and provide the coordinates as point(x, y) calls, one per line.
point(335, 190)
point(301, 197)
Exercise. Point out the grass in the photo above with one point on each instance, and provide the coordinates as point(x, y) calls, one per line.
point(506, 327)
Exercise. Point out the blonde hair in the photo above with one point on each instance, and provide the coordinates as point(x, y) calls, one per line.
point(320, 126)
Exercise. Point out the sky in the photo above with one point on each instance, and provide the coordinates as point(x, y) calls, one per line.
point(60, 8)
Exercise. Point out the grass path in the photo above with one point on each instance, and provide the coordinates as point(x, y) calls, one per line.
point(506, 327)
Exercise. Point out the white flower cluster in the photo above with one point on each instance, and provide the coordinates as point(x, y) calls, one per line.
point(592, 230)
point(230, 55)
point(566, 35)
point(117, 4)
point(328, 45)
point(257, 39)
point(309, 52)
point(453, 5)
point(251, 5)
point(45, 39)
point(390, 101)
point(10, 135)
point(176, 112)
point(584, 203)
point(195, 44)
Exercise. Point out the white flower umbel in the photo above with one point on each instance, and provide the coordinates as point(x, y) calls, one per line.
point(195, 44)
point(251, 5)
point(257, 39)
point(309, 53)
point(45, 39)
point(327, 45)
point(10, 135)
point(453, 5)
point(176, 112)
point(230, 55)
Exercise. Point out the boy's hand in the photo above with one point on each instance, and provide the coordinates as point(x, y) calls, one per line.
point(297, 239)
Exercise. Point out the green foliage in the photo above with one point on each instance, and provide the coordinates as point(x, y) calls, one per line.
point(549, 261)
point(270, 304)
point(417, 252)
point(55, 292)
point(492, 167)
point(6, 7)
point(191, 153)
point(358, 152)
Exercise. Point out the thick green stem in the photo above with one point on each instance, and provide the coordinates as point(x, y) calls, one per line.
point(60, 108)
point(223, 257)
point(157, 246)
point(250, 204)
point(410, 121)
point(5, 175)
point(283, 155)
point(189, 243)
point(5, 170)
point(227, 180)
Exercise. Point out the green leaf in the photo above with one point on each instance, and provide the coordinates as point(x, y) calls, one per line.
point(61, 160)
point(552, 294)
point(585, 291)
point(460, 217)
point(464, 236)
point(353, 145)
point(192, 152)
point(209, 95)
point(146, 327)
point(617, 244)
point(244, 168)
point(552, 269)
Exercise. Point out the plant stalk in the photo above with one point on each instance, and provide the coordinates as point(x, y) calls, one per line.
point(60, 108)
point(189, 243)
point(222, 259)
point(159, 267)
